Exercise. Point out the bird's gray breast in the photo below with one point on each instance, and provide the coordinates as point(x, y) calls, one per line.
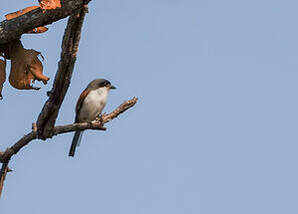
point(93, 104)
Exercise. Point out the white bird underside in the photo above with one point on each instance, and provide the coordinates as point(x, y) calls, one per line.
point(93, 104)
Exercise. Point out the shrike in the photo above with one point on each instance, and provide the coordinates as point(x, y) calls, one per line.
point(90, 105)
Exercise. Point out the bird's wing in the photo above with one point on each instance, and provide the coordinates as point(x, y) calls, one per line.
point(80, 102)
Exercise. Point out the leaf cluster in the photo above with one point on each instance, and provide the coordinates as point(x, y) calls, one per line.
point(26, 67)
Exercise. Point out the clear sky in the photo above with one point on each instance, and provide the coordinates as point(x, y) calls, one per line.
point(216, 126)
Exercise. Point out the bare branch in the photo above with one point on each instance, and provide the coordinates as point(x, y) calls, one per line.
point(95, 125)
point(122, 108)
point(4, 170)
point(14, 28)
point(47, 117)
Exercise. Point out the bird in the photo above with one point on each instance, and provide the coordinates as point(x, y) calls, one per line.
point(89, 106)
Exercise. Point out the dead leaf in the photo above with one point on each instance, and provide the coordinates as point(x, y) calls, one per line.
point(25, 67)
point(20, 12)
point(2, 75)
point(49, 4)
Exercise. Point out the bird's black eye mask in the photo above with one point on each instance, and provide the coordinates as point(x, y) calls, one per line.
point(105, 83)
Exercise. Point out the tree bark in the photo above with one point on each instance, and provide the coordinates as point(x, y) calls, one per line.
point(14, 28)
point(70, 44)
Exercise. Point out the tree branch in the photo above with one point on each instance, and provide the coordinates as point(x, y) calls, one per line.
point(4, 170)
point(45, 127)
point(9, 30)
point(47, 117)
point(94, 125)
point(14, 28)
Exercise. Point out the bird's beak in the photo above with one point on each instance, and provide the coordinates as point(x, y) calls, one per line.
point(112, 87)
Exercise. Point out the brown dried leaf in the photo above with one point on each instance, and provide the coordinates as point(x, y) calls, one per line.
point(25, 67)
point(20, 12)
point(49, 4)
point(2, 75)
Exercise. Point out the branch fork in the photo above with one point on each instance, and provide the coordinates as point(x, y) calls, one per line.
point(97, 124)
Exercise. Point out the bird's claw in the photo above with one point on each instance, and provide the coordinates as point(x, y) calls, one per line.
point(100, 120)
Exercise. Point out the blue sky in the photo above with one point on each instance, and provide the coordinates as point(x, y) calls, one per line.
point(215, 129)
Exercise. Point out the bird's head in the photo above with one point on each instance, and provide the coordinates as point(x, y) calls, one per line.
point(100, 83)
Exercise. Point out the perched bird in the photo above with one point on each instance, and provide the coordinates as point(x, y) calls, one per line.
point(90, 105)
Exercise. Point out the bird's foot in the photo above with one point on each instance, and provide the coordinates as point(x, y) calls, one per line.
point(100, 120)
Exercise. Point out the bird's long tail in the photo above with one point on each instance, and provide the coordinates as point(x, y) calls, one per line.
point(75, 142)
